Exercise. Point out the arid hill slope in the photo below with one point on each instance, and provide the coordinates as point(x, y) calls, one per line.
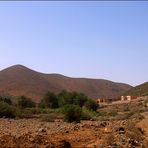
point(20, 80)
point(140, 90)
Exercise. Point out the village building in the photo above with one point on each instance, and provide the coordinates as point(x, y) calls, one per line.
point(128, 98)
point(100, 100)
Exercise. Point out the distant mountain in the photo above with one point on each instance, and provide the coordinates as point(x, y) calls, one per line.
point(19, 80)
point(140, 90)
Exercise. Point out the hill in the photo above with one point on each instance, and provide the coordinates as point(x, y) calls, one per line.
point(140, 90)
point(19, 80)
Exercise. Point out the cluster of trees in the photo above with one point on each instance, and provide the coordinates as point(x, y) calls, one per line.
point(51, 100)
point(21, 102)
point(24, 102)
point(11, 108)
point(71, 103)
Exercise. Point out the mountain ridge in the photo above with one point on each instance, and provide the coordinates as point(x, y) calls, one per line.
point(20, 80)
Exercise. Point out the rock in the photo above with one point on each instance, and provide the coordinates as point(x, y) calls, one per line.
point(134, 142)
point(141, 130)
point(121, 130)
point(76, 127)
point(107, 130)
point(67, 132)
point(42, 130)
point(146, 104)
point(31, 139)
point(114, 145)
point(103, 124)
point(65, 144)
point(92, 119)
point(57, 120)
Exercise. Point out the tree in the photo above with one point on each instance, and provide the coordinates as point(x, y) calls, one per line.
point(72, 113)
point(6, 110)
point(6, 99)
point(79, 98)
point(25, 102)
point(49, 101)
point(91, 105)
point(65, 97)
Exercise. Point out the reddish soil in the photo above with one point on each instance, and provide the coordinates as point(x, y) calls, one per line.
point(32, 133)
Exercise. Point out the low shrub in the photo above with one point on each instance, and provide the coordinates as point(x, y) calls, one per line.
point(91, 105)
point(113, 113)
point(129, 115)
point(50, 100)
point(86, 115)
point(24, 102)
point(7, 110)
point(72, 113)
point(101, 113)
point(51, 117)
point(126, 109)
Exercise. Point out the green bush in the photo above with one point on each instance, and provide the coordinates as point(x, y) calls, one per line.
point(51, 117)
point(79, 99)
point(72, 113)
point(24, 102)
point(49, 101)
point(113, 113)
point(26, 112)
point(6, 100)
point(88, 114)
point(91, 105)
point(6, 110)
point(102, 113)
point(75, 98)
point(64, 98)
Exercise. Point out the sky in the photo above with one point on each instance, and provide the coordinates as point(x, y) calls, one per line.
point(103, 40)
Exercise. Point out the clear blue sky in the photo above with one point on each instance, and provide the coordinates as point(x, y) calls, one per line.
point(107, 40)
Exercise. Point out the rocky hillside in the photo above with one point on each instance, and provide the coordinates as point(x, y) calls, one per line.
point(140, 90)
point(20, 80)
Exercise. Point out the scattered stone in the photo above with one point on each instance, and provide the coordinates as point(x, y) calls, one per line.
point(141, 130)
point(146, 104)
point(42, 130)
point(67, 132)
point(65, 144)
point(27, 133)
point(107, 130)
point(121, 130)
point(31, 139)
point(103, 124)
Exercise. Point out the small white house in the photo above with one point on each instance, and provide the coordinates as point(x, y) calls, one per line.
point(122, 98)
point(129, 98)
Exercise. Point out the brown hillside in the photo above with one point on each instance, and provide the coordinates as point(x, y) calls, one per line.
point(140, 90)
point(20, 80)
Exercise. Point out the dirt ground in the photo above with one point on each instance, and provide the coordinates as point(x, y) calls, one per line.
point(32, 133)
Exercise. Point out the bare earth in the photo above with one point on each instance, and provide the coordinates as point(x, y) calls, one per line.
point(32, 133)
